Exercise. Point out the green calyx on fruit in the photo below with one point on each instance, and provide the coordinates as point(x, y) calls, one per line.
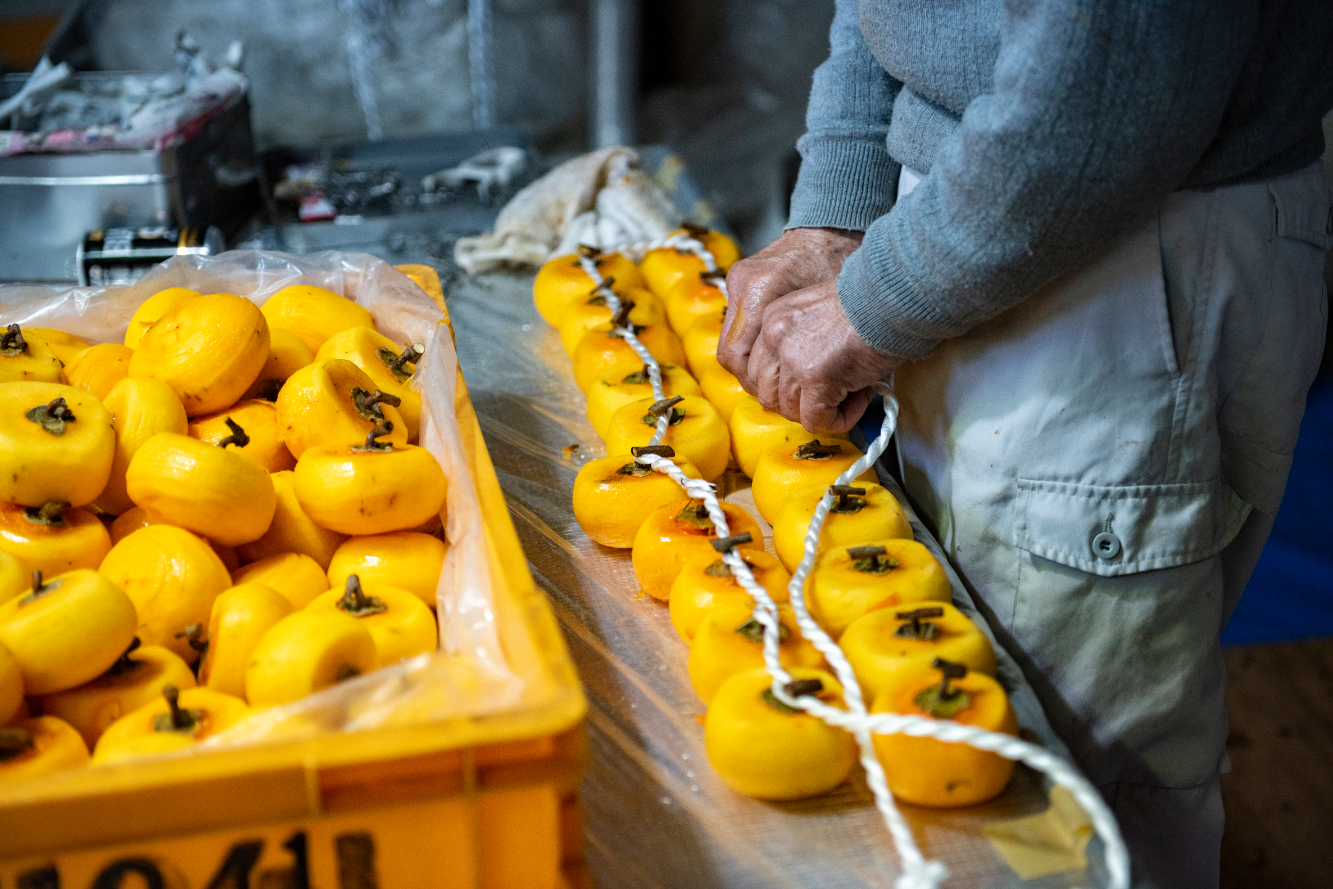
point(371, 444)
point(12, 343)
point(813, 450)
point(753, 630)
point(51, 417)
point(177, 719)
point(39, 588)
point(918, 624)
point(943, 701)
point(871, 559)
point(50, 514)
point(355, 602)
point(397, 364)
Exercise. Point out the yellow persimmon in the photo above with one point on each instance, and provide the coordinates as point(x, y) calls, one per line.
point(67, 629)
point(334, 403)
point(679, 532)
point(295, 576)
point(408, 560)
point(613, 389)
point(314, 314)
point(305, 652)
point(208, 350)
point(23, 359)
point(692, 299)
point(202, 488)
point(153, 308)
point(14, 579)
point(38, 746)
point(784, 469)
point(259, 439)
point(52, 539)
point(696, 430)
point(860, 513)
point(944, 774)
point(700, 342)
point(142, 745)
point(849, 581)
point(172, 577)
point(730, 639)
point(291, 531)
point(389, 365)
point(66, 346)
point(134, 680)
point(192, 714)
point(287, 353)
point(56, 444)
point(882, 644)
point(602, 349)
point(754, 429)
point(370, 487)
point(11, 685)
point(128, 522)
point(98, 368)
point(563, 279)
point(613, 496)
point(722, 390)
point(582, 315)
point(706, 580)
point(140, 408)
point(763, 748)
point(399, 622)
point(663, 267)
point(239, 619)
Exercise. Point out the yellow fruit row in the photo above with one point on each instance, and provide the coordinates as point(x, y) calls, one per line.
point(873, 588)
point(224, 513)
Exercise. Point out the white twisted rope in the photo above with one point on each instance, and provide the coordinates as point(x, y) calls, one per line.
point(918, 872)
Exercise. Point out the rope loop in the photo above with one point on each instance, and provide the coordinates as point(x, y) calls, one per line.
point(917, 871)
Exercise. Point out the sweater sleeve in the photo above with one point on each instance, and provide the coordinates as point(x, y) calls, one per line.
point(1100, 110)
point(847, 179)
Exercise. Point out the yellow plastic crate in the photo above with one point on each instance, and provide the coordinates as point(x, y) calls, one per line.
point(473, 803)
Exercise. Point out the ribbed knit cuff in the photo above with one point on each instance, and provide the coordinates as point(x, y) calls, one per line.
point(875, 304)
point(843, 183)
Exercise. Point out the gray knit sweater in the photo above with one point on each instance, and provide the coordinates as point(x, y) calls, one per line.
point(1047, 127)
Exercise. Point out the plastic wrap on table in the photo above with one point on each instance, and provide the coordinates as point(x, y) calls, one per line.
point(468, 676)
point(655, 813)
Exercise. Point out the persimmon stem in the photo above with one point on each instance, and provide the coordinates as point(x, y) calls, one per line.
point(725, 545)
point(237, 437)
point(12, 341)
point(654, 450)
point(621, 317)
point(409, 355)
point(813, 450)
point(355, 602)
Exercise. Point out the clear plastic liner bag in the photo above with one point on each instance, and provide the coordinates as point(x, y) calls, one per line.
point(468, 676)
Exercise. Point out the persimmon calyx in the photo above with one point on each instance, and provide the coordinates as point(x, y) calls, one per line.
point(14, 742)
point(942, 701)
point(371, 444)
point(871, 559)
point(813, 450)
point(195, 635)
point(397, 363)
point(238, 436)
point(50, 514)
point(368, 403)
point(53, 416)
point(753, 630)
point(918, 624)
point(850, 499)
point(125, 664)
point(695, 514)
point(355, 602)
point(12, 343)
point(178, 719)
point(40, 588)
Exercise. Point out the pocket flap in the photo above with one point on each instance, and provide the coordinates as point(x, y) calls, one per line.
point(1114, 530)
point(1306, 220)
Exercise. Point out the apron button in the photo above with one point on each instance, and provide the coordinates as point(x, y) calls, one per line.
point(1106, 546)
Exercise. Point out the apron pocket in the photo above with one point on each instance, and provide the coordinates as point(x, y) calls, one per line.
point(1112, 530)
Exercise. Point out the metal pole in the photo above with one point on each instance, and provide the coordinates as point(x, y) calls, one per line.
point(615, 27)
point(480, 63)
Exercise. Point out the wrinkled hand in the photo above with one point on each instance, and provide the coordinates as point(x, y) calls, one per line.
point(809, 363)
point(800, 258)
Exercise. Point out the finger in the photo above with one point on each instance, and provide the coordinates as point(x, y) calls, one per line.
point(764, 371)
point(852, 409)
point(817, 410)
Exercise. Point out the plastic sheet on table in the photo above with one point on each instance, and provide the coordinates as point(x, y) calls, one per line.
point(655, 814)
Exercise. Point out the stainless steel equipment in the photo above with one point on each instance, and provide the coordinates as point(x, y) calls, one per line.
point(48, 202)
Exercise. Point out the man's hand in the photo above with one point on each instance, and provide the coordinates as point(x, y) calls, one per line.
point(809, 363)
point(800, 258)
